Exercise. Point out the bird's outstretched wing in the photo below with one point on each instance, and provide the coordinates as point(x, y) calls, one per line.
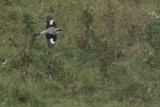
point(50, 22)
point(51, 39)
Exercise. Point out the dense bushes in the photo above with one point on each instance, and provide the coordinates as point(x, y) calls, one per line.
point(152, 33)
point(107, 54)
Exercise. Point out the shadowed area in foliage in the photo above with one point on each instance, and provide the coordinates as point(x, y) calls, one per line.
point(107, 55)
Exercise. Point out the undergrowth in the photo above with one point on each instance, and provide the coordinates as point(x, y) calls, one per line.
point(106, 55)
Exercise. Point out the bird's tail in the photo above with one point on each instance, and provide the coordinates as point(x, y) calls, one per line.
point(36, 34)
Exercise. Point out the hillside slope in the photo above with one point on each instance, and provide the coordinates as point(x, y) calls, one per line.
point(107, 54)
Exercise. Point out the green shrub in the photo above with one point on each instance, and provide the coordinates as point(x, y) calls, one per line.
point(152, 34)
point(29, 23)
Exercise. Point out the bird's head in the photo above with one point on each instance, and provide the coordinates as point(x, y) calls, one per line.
point(58, 30)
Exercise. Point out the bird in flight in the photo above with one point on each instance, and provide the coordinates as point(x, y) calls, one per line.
point(50, 32)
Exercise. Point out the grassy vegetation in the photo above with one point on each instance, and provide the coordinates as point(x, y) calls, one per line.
point(108, 54)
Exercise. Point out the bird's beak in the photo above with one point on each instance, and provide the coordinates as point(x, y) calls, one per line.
point(59, 30)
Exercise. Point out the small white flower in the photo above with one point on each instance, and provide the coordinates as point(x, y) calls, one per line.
point(153, 14)
point(4, 63)
point(157, 17)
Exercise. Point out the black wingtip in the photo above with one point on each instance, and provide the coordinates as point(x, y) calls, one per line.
point(48, 18)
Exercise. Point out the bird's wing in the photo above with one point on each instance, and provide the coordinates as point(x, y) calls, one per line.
point(50, 22)
point(51, 39)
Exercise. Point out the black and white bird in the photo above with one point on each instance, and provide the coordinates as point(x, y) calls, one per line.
point(50, 32)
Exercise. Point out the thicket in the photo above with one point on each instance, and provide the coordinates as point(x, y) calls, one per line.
point(106, 55)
